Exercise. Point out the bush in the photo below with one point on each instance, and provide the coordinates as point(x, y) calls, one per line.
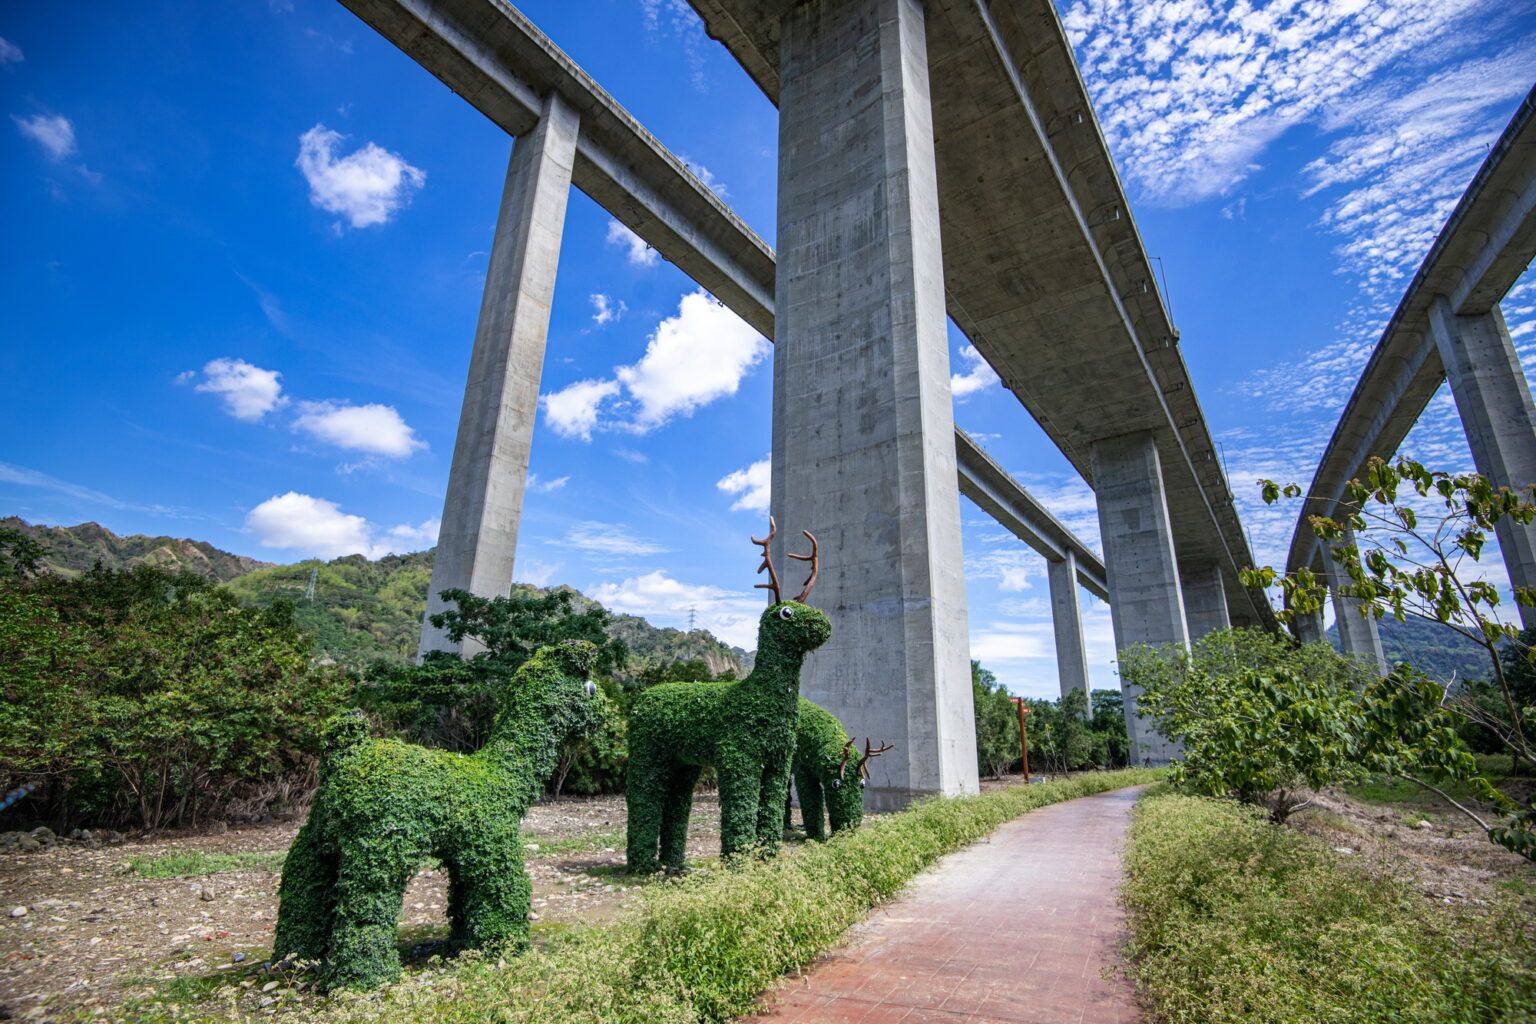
point(1238, 921)
point(152, 697)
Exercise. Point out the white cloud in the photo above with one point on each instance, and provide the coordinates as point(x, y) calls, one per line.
point(605, 310)
point(691, 359)
point(367, 186)
point(635, 250)
point(978, 377)
point(572, 411)
point(249, 392)
point(53, 132)
point(705, 175)
point(424, 534)
point(1011, 565)
point(609, 539)
point(536, 573)
point(546, 486)
point(1191, 93)
point(316, 527)
point(1003, 642)
point(751, 485)
point(373, 428)
point(10, 53)
point(731, 616)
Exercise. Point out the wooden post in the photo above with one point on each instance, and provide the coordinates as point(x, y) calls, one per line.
point(1018, 702)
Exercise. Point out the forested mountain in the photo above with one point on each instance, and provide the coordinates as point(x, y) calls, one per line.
point(360, 609)
point(1437, 651)
point(74, 549)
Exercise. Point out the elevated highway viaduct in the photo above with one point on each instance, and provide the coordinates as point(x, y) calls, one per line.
point(1448, 326)
point(1002, 165)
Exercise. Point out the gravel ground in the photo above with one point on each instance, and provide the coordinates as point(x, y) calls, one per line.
point(91, 933)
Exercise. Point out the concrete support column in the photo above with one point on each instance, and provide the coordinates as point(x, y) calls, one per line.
point(863, 434)
point(1358, 635)
point(1145, 601)
point(1067, 618)
point(1205, 601)
point(1308, 627)
point(484, 503)
point(1497, 413)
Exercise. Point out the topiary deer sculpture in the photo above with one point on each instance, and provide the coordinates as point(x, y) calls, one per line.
point(384, 806)
point(744, 729)
point(829, 772)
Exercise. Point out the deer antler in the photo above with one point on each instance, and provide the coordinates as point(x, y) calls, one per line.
point(868, 753)
point(843, 764)
point(814, 559)
point(773, 577)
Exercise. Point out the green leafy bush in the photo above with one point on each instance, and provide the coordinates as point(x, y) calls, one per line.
point(1237, 921)
point(148, 697)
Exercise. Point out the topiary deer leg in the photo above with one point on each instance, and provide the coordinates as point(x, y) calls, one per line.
point(772, 798)
point(644, 797)
point(306, 897)
point(740, 782)
point(675, 811)
point(495, 891)
point(370, 888)
point(813, 810)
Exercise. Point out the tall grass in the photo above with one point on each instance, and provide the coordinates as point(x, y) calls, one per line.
point(184, 863)
point(699, 949)
point(1237, 921)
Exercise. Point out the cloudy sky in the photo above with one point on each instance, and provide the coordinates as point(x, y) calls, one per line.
point(245, 244)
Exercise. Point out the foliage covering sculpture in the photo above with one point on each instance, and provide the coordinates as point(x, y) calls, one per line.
point(829, 772)
point(384, 806)
point(744, 729)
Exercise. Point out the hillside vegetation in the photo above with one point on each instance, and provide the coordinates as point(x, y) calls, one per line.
point(362, 610)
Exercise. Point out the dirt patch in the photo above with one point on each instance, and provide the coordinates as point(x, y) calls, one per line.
point(1441, 851)
point(92, 934)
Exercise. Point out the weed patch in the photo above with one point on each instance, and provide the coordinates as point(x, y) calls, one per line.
point(1238, 921)
point(185, 863)
point(697, 948)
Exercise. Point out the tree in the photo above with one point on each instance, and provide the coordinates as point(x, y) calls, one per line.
point(1262, 720)
point(1412, 567)
point(1112, 745)
point(997, 723)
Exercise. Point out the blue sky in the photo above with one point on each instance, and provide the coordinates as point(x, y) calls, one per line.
point(245, 244)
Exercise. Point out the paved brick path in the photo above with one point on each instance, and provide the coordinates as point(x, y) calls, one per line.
point(1015, 929)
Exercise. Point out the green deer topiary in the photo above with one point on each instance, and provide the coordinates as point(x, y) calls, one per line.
point(384, 806)
point(744, 729)
point(829, 772)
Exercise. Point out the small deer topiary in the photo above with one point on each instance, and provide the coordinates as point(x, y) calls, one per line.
point(829, 772)
point(384, 806)
point(744, 729)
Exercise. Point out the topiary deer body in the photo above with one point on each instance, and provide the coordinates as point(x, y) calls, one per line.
point(384, 806)
point(829, 773)
point(744, 729)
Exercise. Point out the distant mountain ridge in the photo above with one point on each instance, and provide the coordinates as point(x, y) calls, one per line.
point(72, 550)
point(362, 610)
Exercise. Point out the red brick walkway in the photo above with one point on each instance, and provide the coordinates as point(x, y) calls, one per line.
point(1018, 928)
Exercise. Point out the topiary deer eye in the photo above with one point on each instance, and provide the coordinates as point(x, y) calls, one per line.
point(837, 783)
point(863, 783)
point(786, 612)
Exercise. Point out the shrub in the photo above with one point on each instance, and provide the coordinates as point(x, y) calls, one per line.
point(1238, 921)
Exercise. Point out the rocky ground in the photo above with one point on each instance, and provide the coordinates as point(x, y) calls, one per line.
point(80, 929)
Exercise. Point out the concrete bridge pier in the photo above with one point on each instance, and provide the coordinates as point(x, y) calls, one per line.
point(863, 433)
point(1145, 599)
point(1308, 627)
point(1205, 600)
point(1494, 400)
point(1067, 620)
point(484, 503)
point(1358, 635)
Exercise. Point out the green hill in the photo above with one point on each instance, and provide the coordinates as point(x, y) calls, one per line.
point(1433, 649)
point(361, 610)
point(72, 550)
